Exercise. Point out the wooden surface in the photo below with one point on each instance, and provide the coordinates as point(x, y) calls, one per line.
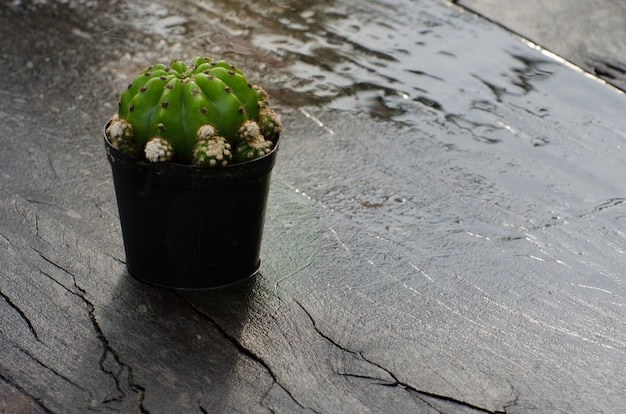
point(591, 34)
point(446, 229)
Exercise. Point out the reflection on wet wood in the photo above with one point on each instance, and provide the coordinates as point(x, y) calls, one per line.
point(445, 230)
point(594, 28)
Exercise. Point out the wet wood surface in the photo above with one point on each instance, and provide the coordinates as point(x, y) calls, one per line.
point(446, 230)
point(591, 34)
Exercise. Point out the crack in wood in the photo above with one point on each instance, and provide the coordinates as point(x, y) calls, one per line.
point(64, 270)
point(292, 273)
point(396, 382)
point(20, 312)
point(108, 350)
point(54, 171)
point(43, 203)
point(375, 380)
point(323, 335)
point(248, 353)
point(54, 371)
point(24, 392)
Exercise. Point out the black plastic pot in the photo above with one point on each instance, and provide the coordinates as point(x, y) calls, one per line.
point(188, 227)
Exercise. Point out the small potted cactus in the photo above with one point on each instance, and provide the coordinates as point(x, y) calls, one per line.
point(191, 151)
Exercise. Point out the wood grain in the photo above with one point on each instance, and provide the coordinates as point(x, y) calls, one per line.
point(449, 242)
point(590, 34)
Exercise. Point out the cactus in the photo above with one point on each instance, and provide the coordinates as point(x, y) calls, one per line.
point(205, 113)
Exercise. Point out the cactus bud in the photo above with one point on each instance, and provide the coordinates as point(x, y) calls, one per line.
point(120, 133)
point(253, 148)
point(249, 131)
point(213, 151)
point(158, 149)
point(270, 123)
point(205, 132)
point(264, 99)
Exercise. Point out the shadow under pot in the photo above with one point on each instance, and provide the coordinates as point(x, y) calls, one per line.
point(190, 227)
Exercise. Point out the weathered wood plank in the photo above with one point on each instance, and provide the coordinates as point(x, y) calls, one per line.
point(445, 230)
point(589, 34)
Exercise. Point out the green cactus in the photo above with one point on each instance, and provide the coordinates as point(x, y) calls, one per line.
point(206, 113)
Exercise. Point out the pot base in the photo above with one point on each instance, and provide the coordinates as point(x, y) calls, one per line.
point(228, 281)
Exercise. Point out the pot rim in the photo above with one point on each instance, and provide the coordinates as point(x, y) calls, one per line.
point(191, 167)
point(190, 176)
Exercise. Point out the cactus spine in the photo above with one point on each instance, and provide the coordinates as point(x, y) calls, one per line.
point(206, 113)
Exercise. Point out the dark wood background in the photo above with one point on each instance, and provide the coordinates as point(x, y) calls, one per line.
point(445, 233)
